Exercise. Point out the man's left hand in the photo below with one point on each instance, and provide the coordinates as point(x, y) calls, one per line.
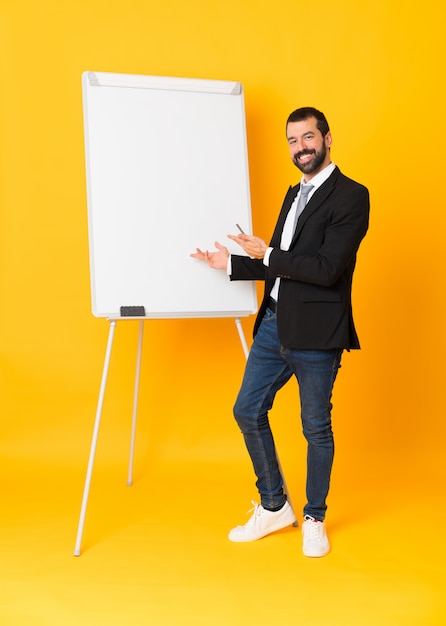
point(253, 246)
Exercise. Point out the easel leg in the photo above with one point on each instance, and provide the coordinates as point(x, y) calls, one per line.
point(246, 351)
point(77, 549)
point(242, 336)
point(135, 403)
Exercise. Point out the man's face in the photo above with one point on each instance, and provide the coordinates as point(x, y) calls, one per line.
point(309, 150)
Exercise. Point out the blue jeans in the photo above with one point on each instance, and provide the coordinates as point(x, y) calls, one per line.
point(268, 368)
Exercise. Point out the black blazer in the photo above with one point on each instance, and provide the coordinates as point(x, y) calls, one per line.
point(314, 309)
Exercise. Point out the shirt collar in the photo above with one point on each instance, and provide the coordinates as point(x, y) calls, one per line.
point(321, 177)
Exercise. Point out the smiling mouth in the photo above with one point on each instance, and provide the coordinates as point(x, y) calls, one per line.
point(304, 158)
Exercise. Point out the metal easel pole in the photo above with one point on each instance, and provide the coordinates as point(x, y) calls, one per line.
point(111, 332)
point(135, 403)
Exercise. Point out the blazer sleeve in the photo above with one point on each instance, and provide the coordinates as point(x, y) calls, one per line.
point(245, 268)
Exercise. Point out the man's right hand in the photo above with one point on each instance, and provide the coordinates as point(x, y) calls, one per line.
point(218, 260)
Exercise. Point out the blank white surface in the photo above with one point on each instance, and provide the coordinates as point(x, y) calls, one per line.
point(167, 171)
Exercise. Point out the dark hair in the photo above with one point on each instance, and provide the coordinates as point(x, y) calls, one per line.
point(304, 113)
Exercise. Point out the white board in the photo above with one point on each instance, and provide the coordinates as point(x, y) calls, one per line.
point(167, 171)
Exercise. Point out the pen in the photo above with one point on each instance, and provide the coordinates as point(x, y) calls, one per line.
point(241, 229)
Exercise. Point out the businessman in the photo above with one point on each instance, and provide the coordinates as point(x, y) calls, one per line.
point(304, 323)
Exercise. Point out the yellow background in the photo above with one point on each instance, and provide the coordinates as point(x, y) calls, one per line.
point(377, 71)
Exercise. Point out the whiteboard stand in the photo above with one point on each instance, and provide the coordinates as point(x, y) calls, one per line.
point(94, 441)
point(130, 124)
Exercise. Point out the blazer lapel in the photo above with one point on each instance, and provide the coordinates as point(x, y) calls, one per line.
point(288, 201)
point(318, 198)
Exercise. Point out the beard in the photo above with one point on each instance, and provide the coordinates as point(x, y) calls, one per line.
point(313, 164)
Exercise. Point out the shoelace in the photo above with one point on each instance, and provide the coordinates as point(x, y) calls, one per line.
point(313, 527)
point(255, 513)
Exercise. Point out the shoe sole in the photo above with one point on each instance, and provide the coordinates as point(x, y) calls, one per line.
point(314, 555)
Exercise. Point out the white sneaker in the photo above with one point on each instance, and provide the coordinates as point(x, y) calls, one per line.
point(315, 541)
point(263, 522)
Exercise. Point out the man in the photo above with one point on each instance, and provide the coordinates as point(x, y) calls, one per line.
point(304, 323)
